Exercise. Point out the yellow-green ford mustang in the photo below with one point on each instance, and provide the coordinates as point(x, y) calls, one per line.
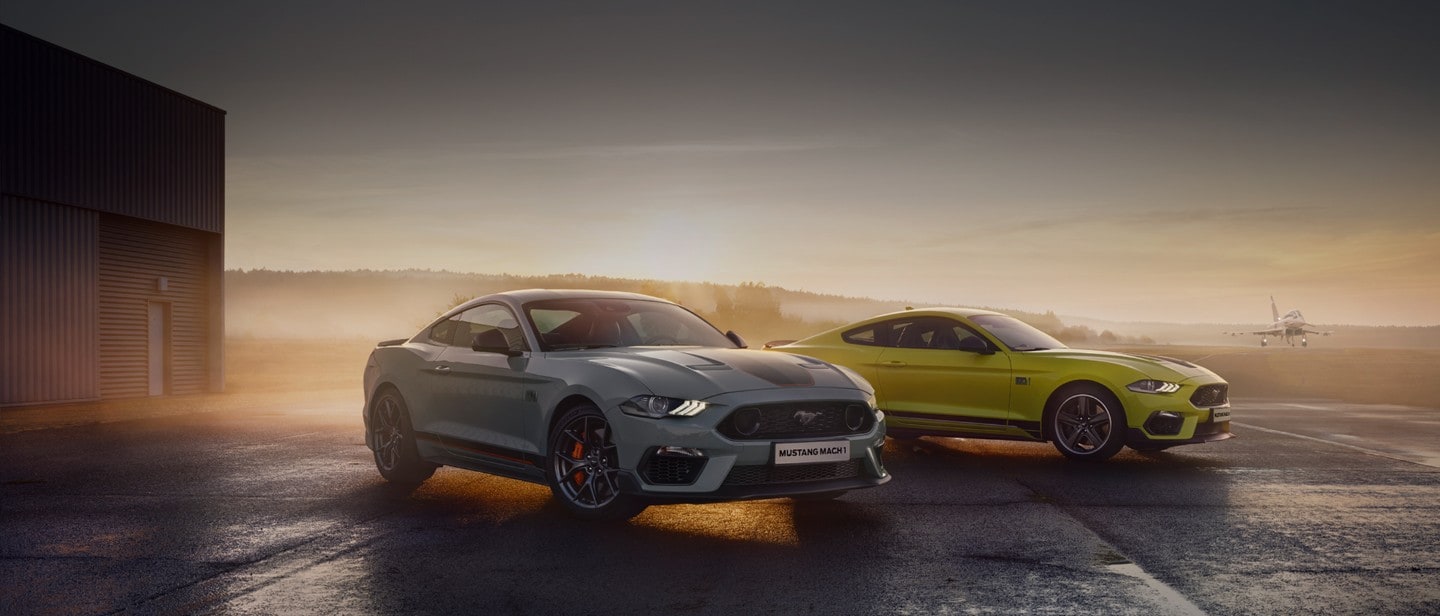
point(981, 374)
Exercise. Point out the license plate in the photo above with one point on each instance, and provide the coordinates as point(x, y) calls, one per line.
point(810, 453)
point(1219, 415)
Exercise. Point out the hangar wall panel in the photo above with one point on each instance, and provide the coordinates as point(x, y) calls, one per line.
point(47, 302)
point(77, 132)
point(108, 183)
point(134, 257)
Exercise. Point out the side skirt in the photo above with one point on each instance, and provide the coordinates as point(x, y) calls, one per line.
point(485, 458)
point(966, 426)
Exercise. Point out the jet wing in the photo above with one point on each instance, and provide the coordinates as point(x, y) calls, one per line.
point(1266, 332)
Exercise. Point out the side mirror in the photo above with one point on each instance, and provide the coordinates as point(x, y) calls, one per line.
point(492, 341)
point(734, 337)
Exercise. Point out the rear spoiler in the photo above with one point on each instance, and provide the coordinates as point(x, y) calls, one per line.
point(395, 342)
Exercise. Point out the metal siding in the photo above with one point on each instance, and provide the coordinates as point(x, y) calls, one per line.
point(47, 302)
point(78, 132)
point(78, 138)
point(217, 312)
point(134, 254)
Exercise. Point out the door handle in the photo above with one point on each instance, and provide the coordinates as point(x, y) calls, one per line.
point(441, 369)
point(895, 363)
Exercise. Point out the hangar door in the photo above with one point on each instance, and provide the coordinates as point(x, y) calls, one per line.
point(153, 305)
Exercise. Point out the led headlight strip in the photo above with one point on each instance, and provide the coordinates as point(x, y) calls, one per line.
point(688, 408)
point(1153, 386)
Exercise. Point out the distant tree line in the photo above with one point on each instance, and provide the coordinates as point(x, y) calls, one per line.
point(381, 304)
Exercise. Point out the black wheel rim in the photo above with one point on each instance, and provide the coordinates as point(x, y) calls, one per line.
point(1082, 423)
point(586, 464)
point(389, 435)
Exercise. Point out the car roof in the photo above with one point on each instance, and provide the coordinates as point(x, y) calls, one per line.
point(530, 295)
point(937, 311)
point(520, 297)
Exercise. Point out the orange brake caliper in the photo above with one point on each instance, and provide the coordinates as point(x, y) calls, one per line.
point(575, 453)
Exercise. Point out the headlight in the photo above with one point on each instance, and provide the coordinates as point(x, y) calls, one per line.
point(660, 406)
point(1152, 386)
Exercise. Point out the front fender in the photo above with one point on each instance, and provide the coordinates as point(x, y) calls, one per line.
point(1029, 401)
point(563, 382)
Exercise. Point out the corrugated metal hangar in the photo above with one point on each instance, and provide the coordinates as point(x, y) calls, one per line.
point(112, 213)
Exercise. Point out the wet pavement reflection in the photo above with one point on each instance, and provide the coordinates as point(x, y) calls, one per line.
point(274, 508)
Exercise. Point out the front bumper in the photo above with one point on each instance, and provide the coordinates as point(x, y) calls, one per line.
point(734, 469)
point(1203, 433)
point(1174, 419)
point(631, 485)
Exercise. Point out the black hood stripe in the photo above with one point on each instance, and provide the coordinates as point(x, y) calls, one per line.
point(777, 369)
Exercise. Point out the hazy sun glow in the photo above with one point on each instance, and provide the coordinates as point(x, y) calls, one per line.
point(1153, 161)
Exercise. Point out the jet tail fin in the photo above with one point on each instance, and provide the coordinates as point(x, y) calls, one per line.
point(1275, 312)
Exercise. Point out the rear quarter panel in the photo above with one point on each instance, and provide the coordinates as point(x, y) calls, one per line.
point(399, 366)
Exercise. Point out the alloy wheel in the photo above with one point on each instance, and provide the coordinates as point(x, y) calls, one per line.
point(1082, 423)
point(586, 464)
point(389, 433)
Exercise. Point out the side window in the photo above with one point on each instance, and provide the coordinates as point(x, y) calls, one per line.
point(886, 334)
point(486, 318)
point(443, 332)
point(865, 335)
point(932, 333)
point(916, 335)
point(895, 336)
point(967, 340)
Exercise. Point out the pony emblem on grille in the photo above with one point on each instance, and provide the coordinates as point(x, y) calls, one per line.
point(805, 418)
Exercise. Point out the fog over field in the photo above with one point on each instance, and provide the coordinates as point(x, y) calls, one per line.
point(299, 331)
point(376, 305)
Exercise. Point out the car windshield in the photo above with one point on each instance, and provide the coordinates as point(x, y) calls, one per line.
point(1015, 333)
point(573, 324)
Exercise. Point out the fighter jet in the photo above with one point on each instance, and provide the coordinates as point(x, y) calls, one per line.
point(1289, 327)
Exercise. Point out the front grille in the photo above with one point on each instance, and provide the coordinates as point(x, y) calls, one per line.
point(760, 475)
point(672, 470)
point(1206, 396)
point(796, 420)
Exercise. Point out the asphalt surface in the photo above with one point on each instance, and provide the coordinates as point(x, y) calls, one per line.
point(1318, 507)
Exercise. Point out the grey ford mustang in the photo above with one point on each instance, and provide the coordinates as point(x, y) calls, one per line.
point(616, 401)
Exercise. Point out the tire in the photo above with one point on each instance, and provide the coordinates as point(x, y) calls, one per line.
point(396, 456)
point(1087, 423)
point(584, 468)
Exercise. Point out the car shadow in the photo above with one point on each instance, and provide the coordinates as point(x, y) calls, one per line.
point(499, 546)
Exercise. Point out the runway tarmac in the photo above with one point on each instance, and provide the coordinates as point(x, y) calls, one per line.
point(270, 507)
point(1404, 433)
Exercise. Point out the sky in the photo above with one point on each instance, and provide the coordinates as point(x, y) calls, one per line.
point(1134, 161)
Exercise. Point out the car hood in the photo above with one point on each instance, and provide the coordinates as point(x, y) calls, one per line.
point(1154, 366)
point(702, 372)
